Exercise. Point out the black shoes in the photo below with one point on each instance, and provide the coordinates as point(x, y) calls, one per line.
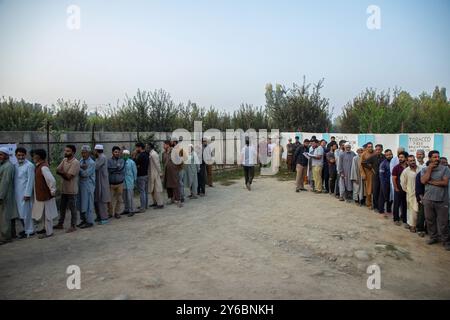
point(2, 242)
point(23, 235)
point(82, 223)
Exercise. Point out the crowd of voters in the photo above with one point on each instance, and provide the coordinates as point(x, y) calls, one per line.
point(94, 188)
point(411, 188)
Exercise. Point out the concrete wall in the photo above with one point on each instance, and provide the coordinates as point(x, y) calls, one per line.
point(411, 142)
point(34, 140)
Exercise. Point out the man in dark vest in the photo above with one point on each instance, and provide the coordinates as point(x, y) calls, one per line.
point(44, 206)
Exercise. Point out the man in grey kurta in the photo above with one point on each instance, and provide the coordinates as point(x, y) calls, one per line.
point(344, 171)
point(357, 181)
point(337, 153)
point(192, 167)
point(102, 191)
point(86, 187)
point(8, 208)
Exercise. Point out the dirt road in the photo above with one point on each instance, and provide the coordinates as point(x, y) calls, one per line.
point(270, 243)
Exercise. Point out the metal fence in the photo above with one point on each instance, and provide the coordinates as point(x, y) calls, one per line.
point(55, 141)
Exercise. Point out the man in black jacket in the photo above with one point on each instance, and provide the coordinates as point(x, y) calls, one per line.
point(420, 191)
point(301, 164)
point(142, 161)
point(325, 172)
point(331, 163)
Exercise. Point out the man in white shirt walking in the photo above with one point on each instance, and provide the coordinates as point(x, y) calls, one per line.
point(248, 161)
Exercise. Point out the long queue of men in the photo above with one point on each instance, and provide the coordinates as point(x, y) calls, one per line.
point(414, 191)
point(95, 188)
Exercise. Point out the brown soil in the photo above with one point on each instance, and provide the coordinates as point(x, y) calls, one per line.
point(270, 243)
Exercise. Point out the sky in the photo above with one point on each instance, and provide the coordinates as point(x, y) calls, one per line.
point(219, 53)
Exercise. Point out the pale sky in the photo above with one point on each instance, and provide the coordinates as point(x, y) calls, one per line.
point(220, 53)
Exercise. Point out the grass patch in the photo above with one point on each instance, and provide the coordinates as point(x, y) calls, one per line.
point(285, 175)
point(227, 183)
point(229, 176)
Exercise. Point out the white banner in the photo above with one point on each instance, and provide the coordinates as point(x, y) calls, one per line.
point(420, 141)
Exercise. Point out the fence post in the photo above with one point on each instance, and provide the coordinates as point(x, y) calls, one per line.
point(93, 136)
point(47, 127)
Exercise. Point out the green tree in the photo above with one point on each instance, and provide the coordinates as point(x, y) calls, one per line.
point(300, 107)
point(250, 117)
point(397, 112)
point(18, 115)
point(163, 111)
point(71, 115)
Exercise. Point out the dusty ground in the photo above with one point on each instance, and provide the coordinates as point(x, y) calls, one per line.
point(271, 243)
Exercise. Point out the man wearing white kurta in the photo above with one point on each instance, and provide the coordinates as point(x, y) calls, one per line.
point(155, 184)
point(408, 183)
point(23, 187)
point(44, 193)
